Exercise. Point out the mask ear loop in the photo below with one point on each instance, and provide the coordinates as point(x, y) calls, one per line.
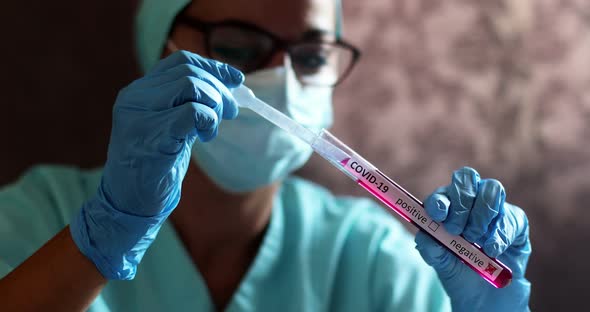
point(171, 46)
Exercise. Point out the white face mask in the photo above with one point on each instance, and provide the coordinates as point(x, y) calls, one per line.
point(250, 152)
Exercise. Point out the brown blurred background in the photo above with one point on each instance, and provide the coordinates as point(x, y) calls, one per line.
point(500, 85)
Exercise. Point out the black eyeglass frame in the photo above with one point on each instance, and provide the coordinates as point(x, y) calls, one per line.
point(278, 44)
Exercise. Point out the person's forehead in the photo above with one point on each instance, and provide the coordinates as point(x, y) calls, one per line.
point(288, 19)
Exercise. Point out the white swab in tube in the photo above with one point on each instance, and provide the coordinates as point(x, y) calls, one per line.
point(383, 188)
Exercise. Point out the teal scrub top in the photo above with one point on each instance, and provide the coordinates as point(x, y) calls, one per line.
point(320, 253)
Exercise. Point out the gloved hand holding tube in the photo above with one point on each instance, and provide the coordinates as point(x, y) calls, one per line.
point(156, 120)
point(476, 209)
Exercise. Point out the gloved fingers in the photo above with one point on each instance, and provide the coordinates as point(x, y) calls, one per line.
point(498, 239)
point(165, 132)
point(517, 258)
point(185, 123)
point(227, 74)
point(169, 95)
point(199, 119)
point(229, 107)
point(462, 191)
point(522, 225)
point(206, 122)
point(487, 205)
point(438, 257)
point(437, 204)
point(190, 89)
point(181, 84)
point(511, 228)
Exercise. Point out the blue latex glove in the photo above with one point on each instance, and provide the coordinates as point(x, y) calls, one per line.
point(476, 209)
point(156, 119)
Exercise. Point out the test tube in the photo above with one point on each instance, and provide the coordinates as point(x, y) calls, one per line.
point(383, 188)
point(409, 208)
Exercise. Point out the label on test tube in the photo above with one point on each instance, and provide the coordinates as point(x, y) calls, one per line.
point(411, 209)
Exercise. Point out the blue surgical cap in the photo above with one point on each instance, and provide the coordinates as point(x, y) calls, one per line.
point(152, 26)
point(154, 20)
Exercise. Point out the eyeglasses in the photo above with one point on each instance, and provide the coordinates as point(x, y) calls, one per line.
point(316, 61)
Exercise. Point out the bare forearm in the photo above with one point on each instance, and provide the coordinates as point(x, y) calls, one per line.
point(57, 277)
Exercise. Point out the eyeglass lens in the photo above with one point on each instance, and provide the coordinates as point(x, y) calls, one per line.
point(314, 62)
